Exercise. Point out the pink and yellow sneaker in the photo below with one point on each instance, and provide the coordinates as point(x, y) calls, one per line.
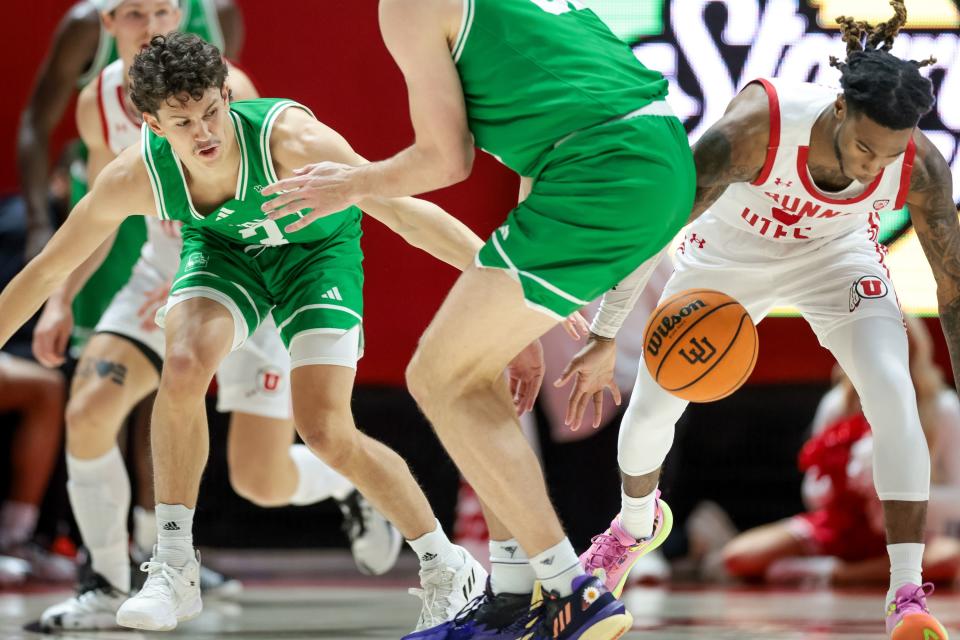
point(614, 552)
point(908, 617)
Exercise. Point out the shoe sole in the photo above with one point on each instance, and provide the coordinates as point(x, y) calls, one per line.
point(654, 544)
point(608, 629)
point(396, 543)
point(139, 620)
point(919, 626)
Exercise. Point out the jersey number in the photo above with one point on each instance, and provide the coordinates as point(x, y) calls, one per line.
point(556, 7)
point(274, 236)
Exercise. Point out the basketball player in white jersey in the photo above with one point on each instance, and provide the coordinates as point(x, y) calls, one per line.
point(121, 364)
point(792, 182)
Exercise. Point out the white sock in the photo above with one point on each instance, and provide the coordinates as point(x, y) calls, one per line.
point(99, 491)
point(18, 521)
point(906, 561)
point(636, 514)
point(174, 534)
point(144, 529)
point(557, 567)
point(435, 549)
point(317, 481)
point(510, 570)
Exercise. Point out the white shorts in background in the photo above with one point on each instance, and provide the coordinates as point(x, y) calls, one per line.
point(254, 378)
point(831, 281)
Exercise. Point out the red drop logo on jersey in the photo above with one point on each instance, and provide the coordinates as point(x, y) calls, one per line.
point(880, 204)
point(866, 287)
point(269, 379)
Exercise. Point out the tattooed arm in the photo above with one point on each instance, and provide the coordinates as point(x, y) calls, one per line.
point(934, 216)
point(733, 149)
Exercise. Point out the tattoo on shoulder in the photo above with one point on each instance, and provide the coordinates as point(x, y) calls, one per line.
point(716, 168)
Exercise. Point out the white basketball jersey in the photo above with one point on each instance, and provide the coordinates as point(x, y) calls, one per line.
point(161, 250)
point(783, 204)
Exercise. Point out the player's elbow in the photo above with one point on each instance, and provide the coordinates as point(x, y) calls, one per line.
point(462, 164)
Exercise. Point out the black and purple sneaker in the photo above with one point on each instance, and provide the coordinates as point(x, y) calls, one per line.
point(589, 613)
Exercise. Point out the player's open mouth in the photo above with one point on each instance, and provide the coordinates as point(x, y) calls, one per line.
point(208, 152)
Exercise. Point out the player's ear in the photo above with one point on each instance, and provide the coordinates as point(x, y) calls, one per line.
point(153, 123)
point(840, 107)
point(226, 93)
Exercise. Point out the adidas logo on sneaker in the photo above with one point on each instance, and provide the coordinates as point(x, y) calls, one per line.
point(333, 294)
point(171, 526)
point(427, 557)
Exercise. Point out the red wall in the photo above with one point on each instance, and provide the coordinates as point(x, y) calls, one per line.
point(329, 55)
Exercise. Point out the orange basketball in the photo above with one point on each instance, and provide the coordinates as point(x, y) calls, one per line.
point(700, 345)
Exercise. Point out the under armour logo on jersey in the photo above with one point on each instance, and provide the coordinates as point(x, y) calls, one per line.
point(333, 294)
point(224, 212)
point(785, 183)
point(171, 526)
point(504, 231)
point(697, 241)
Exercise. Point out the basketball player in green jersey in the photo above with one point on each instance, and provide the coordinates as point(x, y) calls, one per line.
point(545, 87)
point(204, 162)
point(84, 43)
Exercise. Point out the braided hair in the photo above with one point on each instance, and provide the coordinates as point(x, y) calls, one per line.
point(888, 90)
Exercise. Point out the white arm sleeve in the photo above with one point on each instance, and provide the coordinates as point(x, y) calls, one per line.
point(617, 303)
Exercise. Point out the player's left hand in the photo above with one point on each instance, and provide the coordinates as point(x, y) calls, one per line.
point(152, 303)
point(593, 369)
point(525, 375)
point(324, 188)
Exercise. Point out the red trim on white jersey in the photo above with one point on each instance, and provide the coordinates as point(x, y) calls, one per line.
point(905, 174)
point(804, 173)
point(103, 113)
point(123, 107)
point(774, 143)
point(874, 231)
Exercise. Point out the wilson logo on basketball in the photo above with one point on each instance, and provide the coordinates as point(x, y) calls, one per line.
point(866, 287)
point(699, 350)
point(669, 323)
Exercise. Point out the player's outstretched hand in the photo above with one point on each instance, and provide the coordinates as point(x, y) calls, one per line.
point(151, 304)
point(525, 375)
point(324, 188)
point(52, 334)
point(576, 325)
point(592, 370)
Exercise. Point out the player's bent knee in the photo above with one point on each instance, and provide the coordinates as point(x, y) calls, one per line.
point(186, 367)
point(254, 484)
point(330, 438)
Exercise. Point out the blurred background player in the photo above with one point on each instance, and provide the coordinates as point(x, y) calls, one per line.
point(840, 540)
point(37, 395)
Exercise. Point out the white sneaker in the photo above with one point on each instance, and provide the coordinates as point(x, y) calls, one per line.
point(170, 595)
point(375, 542)
point(94, 607)
point(446, 590)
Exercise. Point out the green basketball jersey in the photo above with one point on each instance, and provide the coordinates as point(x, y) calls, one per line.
point(239, 219)
point(199, 17)
point(535, 71)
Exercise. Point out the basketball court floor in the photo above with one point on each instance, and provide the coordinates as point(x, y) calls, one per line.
point(337, 603)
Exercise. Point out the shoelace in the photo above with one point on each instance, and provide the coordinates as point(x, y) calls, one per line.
point(160, 579)
point(608, 550)
point(915, 597)
point(437, 587)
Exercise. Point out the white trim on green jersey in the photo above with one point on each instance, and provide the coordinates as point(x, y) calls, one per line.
point(466, 22)
point(147, 154)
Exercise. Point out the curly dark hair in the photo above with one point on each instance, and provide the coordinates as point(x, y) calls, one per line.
point(178, 66)
point(876, 83)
